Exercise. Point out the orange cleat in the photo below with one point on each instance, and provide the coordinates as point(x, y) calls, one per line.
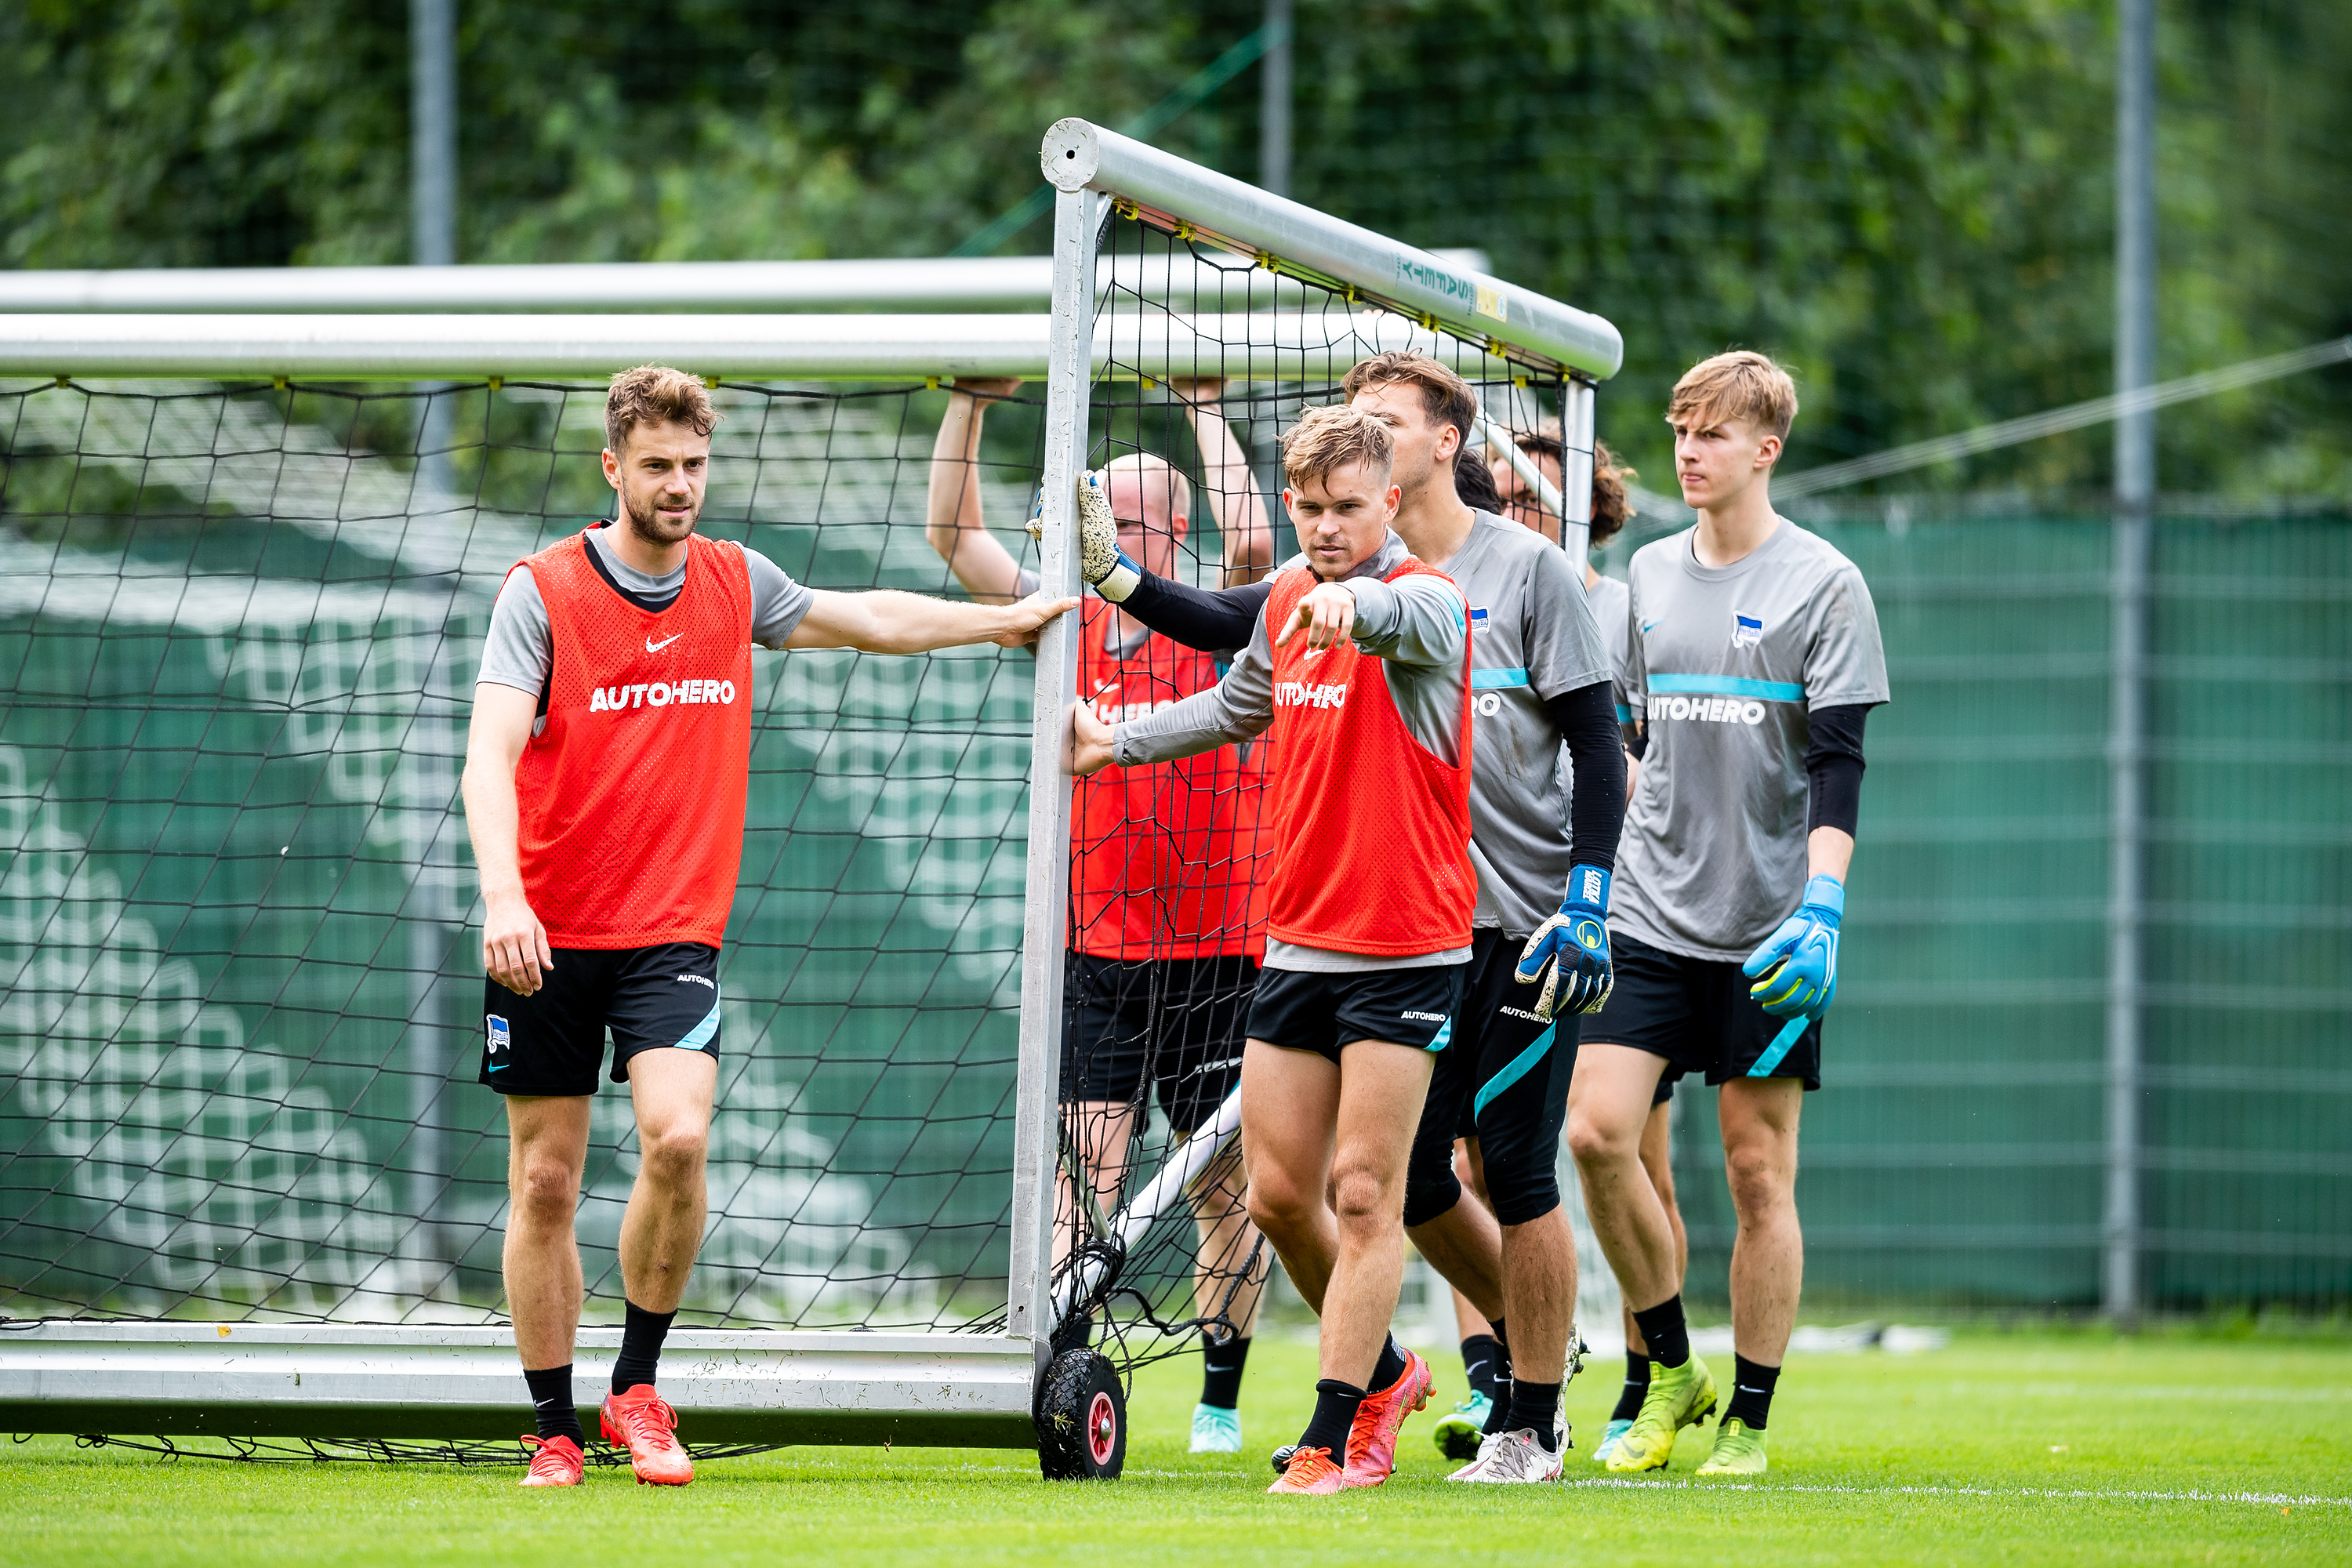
point(1311, 1470)
point(1372, 1440)
point(641, 1421)
point(555, 1462)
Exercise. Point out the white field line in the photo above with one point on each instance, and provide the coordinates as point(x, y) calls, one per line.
point(2072, 1494)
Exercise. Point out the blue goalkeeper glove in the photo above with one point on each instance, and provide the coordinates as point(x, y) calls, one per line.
point(1798, 961)
point(1569, 952)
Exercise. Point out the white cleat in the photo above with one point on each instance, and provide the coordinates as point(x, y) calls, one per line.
point(1511, 1457)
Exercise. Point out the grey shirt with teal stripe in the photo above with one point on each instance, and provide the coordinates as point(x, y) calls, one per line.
point(1723, 667)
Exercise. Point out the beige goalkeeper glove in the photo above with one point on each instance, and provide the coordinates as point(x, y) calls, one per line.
point(1104, 565)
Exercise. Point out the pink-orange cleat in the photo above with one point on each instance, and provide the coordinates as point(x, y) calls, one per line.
point(555, 1462)
point(1311, 1470)
point(1372, 1440)
point(642, 1421)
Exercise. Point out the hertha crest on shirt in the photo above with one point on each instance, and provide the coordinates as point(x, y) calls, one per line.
point(1747, 631)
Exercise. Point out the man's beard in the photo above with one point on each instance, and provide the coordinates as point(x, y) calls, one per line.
point(647, 526)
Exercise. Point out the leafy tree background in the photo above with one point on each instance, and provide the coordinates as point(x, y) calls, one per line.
point(1911, 202)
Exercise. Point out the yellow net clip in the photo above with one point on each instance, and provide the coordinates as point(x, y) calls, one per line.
point(1350, 295)
point(278, 382)
point(65, 381)
point(931, 382)
point(1428, 321)
point(1520, 382)
point(1125, 208)
point(1185, 231)
point(710, 382)
point(1265, 259)
point(1495, 347)
point(1149, 384)
point(497, 383)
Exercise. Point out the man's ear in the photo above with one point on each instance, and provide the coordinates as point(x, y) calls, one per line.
point(1768, 451)
point(612, 469)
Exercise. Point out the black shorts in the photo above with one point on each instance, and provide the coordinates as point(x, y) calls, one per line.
point(1697, 1013)
point(552, 1041)
point(1321, 1013)
point(1178, 1022)
point(1501, 1078)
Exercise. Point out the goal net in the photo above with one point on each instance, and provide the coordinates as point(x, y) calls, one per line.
point(239, 924)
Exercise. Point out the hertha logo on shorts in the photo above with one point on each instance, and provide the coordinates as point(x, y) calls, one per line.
point(500, 1040)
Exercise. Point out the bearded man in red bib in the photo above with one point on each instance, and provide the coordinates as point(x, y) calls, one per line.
point(1358, 672)
point(607, 772)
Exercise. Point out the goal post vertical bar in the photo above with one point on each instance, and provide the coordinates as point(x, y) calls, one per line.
point(1046, 906)
point(1575, 470)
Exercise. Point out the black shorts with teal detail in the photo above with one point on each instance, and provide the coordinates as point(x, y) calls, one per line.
point(1321, 1013)
point(552, 1041)
point(1697, 1013)
point(1502, 1079)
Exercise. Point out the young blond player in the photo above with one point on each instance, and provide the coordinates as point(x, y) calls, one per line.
point(1753, 658)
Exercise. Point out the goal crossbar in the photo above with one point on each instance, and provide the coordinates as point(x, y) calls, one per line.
point(1258, 346)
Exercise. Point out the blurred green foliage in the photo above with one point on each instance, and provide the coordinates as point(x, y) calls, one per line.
point(1909, 201)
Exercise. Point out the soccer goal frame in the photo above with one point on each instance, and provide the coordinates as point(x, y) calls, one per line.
point(296, 1380)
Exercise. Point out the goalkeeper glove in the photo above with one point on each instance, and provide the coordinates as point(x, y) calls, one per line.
point(1577, 938)
point(1798, 961)
point(1105, 567)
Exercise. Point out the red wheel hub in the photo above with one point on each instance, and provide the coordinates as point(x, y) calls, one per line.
point(1102, 1429)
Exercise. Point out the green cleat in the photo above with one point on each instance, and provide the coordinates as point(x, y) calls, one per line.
point(1459, 1435)
point(1679, 1396)
point(1738, 1451)
point(1610, 1434)
point(1216, 1430)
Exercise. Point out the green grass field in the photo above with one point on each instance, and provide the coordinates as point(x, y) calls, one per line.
point(2003, 1448)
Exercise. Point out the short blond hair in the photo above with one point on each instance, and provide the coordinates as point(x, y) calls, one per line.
point(1741, 385)
point(1174, 486)
point(1326, 440)
point(656, 395)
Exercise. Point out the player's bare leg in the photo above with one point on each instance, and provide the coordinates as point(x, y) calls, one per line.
point(547, 1155)
point(671, 1091)
point(1760, 1120)
point(1228, 1275)
point(1290, 1113)
point(1657, 1159)
point(1466, 1247)
point(1608, 1104)
point(1381, 1087)
point(662, 1229)
point(1103, 1131)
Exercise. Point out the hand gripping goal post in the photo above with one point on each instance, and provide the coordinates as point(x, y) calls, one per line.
point(250, 1201)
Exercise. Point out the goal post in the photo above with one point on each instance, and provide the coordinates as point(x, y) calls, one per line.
point(245, 1190)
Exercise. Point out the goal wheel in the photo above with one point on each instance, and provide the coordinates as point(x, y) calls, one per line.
point(1081, 1419)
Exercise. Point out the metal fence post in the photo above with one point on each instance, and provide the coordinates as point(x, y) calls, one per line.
point(2135, 495)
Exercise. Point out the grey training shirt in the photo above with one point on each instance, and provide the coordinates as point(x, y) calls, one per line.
point(1415, 624)
point(1609, 599)
point(1724, 665)
point(520, 650)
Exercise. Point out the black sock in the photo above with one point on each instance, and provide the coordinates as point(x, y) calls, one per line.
point(1500, 1410)
point(1637, 1386)
point(1482, 1366)
point(641, 1343)
point(1751, 1392)
point(1390, 1366)
point(1335, 1413)
point(1534, 1406)
point(1221, 1371)
point(551, 1405)
point(1664, 1331)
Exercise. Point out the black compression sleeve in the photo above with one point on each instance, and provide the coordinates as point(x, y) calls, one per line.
point(1587, 718)
point(1833, 767)
point(1212, 622)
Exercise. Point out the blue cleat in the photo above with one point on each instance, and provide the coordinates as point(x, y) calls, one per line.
point(1459, 1435)
point(1609, 1436)
point(1216, 1430)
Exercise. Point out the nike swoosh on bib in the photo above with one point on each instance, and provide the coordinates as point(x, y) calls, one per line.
point(652, 647)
